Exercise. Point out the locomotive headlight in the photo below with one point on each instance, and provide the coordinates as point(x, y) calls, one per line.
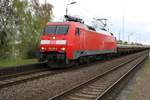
point(42, 48)
point(54, 37)
point(63, 49)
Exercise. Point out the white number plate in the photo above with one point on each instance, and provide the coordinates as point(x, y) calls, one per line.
point(45, 41)
point(60, 42)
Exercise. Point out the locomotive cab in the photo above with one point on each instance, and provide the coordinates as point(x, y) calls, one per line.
point(53, 42)
point(53, 38)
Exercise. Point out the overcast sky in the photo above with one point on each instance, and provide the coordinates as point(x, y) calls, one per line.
point(135, 14)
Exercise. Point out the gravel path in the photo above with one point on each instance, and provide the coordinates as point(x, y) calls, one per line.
point(44, 88)
point(139, 87)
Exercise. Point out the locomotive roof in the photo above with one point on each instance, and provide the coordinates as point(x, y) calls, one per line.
point(80, 25)
point(62, 23)
point(77, 24)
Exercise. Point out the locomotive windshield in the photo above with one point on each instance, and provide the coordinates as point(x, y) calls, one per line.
point(59, 29)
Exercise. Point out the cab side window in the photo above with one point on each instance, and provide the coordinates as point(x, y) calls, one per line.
point(77, 31)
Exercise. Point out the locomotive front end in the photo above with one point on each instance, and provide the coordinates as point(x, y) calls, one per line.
point(53, 43)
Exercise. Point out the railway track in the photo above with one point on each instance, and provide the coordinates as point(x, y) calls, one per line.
point(22, 74)
point(96, 88)
point(15, 75)
point(33, 73)
point(24, 77)
point(21, 69)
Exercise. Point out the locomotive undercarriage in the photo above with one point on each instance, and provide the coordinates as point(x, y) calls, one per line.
point(55, 59)
point(59, 60)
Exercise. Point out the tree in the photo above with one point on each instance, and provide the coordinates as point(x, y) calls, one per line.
point(23, 21)
point(6, 29)
point(31, 21)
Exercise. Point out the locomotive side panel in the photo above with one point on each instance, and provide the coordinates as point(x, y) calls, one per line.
point(110, 44)
point(93, 43)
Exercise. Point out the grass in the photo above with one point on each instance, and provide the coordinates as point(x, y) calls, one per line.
point(15, 62)
point(140, 89)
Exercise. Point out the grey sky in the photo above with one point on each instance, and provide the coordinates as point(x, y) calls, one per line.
point(136, 15)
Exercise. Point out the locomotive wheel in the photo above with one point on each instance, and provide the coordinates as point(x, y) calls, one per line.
point(81, 60)
point(87, 60)
point(76, 63)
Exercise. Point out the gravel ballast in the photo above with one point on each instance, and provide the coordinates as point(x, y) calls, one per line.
point(44, 88)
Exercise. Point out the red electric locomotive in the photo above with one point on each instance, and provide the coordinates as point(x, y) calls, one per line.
point(73, 42)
